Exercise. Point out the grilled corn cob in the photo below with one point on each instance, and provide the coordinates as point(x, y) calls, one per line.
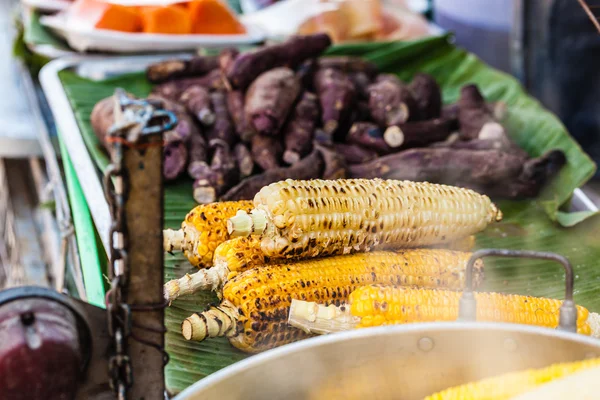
point(204, 228)
point(255, 305)
point(240, 254)
point(379, 305)
point(325, 217)
point(230, 258)
point(507, 385)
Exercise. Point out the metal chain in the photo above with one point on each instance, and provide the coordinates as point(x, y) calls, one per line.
point(119, 315)
point(137, 115)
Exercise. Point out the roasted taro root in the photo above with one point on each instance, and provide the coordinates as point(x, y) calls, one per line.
point(270, 99)
point(494, 172)
point(172, 69)
point(249, 118)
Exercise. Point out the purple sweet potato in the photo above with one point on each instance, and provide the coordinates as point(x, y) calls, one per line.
point(222, 128)
point(474, 117)
point(214, 80)
point(198, 155)
point(493, 172)
point(173, 89)
point(390, 101)
point(196, 100)
point(306, 73)
point(244, 159)
point(361, 112)
point(442, 165)
point(298, 133)
point(337, 96)
point(349, 64)
point(204, 191)
point(297, 49)
point(369, 136)
point(483, 144)
point(418, 133)
point(175, 156)
point(219, 177)
point(498, 109)
point(266, 151)
point(269, 100)
point(249, 65)
point(310, 167)
point(335, 164)
point(361, 82)
point(173, 69)
point(428, 97)
point(354, 154)
point(235, 105)
point(323, 137)
point(227, 58)
point(103, 118)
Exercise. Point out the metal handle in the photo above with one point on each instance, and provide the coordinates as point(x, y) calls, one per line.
point(567, 320)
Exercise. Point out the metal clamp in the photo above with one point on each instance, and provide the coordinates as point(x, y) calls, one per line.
point(567, 320)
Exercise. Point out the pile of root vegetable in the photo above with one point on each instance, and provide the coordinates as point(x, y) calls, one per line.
point(284, 111)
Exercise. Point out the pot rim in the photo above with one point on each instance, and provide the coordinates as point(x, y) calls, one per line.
point(325, 340)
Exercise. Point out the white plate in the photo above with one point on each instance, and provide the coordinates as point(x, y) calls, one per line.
point(48, 5)
point(83, 38)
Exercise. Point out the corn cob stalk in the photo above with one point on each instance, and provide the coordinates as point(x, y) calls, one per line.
point(204, 228)
point(255, 305)
point(378, 305)
point(320, 217)
point(230, 258)
point(505, 386)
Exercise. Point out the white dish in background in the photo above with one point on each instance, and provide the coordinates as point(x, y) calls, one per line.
point(49, 6)
point(84, 38)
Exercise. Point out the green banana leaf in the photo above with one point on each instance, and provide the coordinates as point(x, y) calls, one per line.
point(526, 226)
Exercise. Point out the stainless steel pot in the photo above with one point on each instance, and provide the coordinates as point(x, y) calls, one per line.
point(396, 362)
point(401, 362)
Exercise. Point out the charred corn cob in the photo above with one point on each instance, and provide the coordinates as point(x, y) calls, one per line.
point(326, 217)
point(379, 305)
point(255, 305)
point(204, 228)
point(240, 254)
point(505, 386)
point(231, 257)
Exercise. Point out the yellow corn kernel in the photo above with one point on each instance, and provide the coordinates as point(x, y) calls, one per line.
point(506, 386)
point(204, 228)
point(256, 302)
point(328, 217)
point(239, 254)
